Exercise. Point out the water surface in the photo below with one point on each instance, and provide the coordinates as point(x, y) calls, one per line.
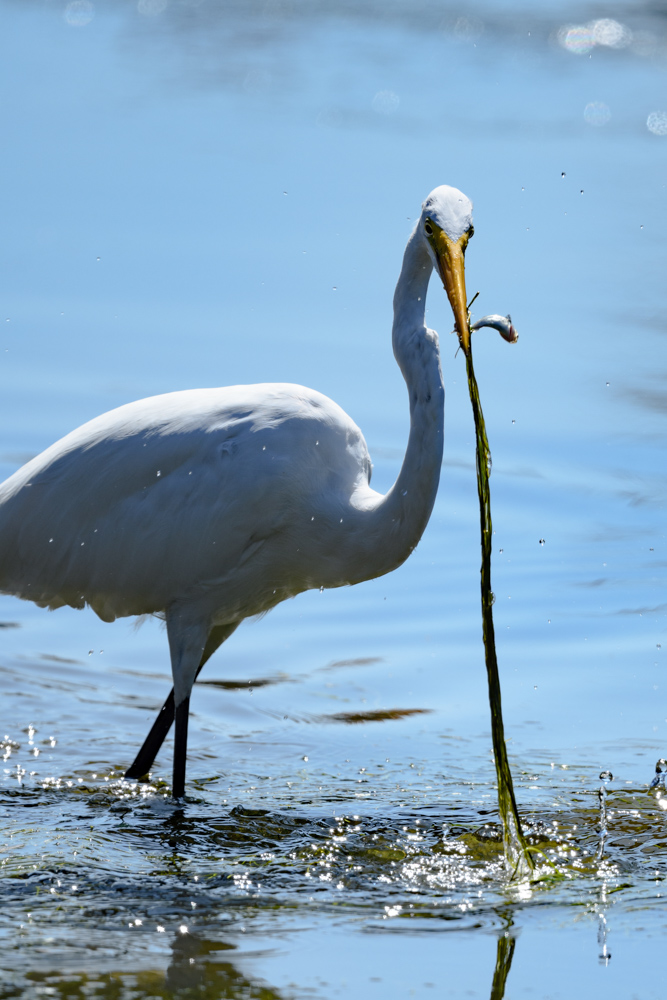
point(208, 194)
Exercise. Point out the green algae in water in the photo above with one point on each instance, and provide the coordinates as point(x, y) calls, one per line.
point(516, 851)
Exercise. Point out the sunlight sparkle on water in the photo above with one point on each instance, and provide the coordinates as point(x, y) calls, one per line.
point(79, 13)
point(386, 102)
point(611, 33)
point(577, 39)
point(597, 113)
point(151, 8)
point(580, 39)
point(657, 122)
point(169, 136)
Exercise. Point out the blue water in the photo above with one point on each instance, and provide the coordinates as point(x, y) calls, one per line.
point(217, 194)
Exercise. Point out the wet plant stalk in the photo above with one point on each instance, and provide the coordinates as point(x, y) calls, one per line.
point(516, 852)
point(504, 955)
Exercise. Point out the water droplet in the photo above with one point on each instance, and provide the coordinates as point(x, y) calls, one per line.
point(542, 541)
point(658, 645)
point(501, 550)
point(158, 473)
point(582, 191)
point(321, 590)
point(50, 540)
point(304, 758)
point(563, 174)
point(312, 519)
point(285, 193)
point(641, 227)
point(607, 384)
point(514, 421)
point(606, 776)
point(263, 447)
point(90, 652)
point(341, 520)
point(404, 493)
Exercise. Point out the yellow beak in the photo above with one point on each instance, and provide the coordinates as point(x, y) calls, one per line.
point(451, 267)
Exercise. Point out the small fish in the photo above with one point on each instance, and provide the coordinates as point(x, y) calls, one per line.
point(503, 324)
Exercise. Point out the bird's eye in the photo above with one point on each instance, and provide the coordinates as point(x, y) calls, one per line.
point(471, 232)
point(428, 228)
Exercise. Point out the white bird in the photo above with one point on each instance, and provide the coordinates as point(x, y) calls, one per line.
point(209, 506)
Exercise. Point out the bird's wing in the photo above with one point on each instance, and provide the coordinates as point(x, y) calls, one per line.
point(165, 497)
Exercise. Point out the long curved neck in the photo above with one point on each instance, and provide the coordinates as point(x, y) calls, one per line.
point(394, 524)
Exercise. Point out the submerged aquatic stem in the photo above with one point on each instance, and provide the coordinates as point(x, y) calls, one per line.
point(517, 855)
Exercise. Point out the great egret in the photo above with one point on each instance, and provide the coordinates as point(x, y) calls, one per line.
point(211, 505)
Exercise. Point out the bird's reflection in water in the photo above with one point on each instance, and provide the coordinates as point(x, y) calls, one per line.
point(202, 968)
point(198, 967)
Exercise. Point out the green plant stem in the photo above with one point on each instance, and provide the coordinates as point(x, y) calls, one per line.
point(516, 852)
point(504, 955)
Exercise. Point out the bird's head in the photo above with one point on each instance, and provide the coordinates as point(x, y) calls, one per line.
point(446, 226)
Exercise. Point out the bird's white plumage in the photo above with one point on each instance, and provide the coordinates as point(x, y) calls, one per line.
point(174, 497)
point(450, 209)
point(212, 505)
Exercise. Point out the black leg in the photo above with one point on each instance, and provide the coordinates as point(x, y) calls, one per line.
point(143, 762)
point(180, 748)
